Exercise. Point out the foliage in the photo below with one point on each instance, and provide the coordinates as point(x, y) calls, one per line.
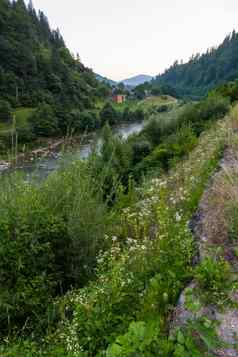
point(43, 121)
point(29, 348)
point(5, 111)
point(228, 90)
point(140, 340)
point(140, 277)
point(121, 260)
point(153, 88)
point(203, 71)
point(165, 155)
point(199, 115)
point(213, 277)
point(35, 63)
point(108, 114)
point(49, 242)
point(113, 163)
point(140, 149)
point(38, 70)
point(197, 339)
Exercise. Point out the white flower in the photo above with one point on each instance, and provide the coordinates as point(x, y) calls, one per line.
point(178, 217)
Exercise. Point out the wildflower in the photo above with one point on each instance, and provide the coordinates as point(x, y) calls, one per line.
point(178, 217)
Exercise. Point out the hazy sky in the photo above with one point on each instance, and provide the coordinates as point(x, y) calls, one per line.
point(121, 38)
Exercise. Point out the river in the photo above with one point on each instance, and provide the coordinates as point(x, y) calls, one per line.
point(42, 167)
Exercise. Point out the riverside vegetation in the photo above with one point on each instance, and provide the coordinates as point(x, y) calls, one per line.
point(94, 258)
point(102, 278)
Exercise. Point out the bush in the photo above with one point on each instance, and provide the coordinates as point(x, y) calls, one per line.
point(200, 115)
point(213, 277)
point(43, 121)
point(168, 153)
point(228, 90)
point(162, 108)
point(25, 135)
point(113, 164)
point(161, 126)
point(140, 149)
point(89, 120)
point(49, 242)
point(108, 114)
point(142, 339)
point(138, 115)
point(5, 111)
point(76, 120)
point(197, 338)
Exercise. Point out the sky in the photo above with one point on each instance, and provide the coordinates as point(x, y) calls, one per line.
point(122, 38)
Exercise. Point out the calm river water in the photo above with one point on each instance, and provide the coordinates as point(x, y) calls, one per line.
point(44, 166)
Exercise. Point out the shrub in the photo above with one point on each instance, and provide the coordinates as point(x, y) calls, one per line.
point(168, 153)
point(43, 121)
point(198, 338)
point(140, 149)
point(229, 90)
point(88, 120)
point(49, 242)
point(25, 134)
point(161, 126)
point(5, 111)
point(213, 277)
point(142, 339)
point(162, 108)
point(113, 165)
point(201, 114)
point(138, 115)
point(127, 114)
point(108, 114)
point(76, 120)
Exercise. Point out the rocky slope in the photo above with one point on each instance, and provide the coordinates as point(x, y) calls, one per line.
point(211, 230)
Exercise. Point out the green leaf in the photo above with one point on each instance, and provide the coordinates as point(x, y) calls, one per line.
point(180, 338)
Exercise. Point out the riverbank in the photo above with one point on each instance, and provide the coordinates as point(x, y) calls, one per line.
point(50, 150)
point(50, 147)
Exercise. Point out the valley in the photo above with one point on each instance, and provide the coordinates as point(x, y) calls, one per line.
point(119, 203)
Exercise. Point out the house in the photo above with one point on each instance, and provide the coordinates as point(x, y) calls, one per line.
point(119, 98)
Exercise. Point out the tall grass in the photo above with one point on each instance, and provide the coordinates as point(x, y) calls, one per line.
point(51, 234)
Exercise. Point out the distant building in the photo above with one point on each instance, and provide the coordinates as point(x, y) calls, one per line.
point(119, 98)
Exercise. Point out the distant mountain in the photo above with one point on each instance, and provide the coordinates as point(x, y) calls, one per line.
point(203, 71)
point(129, 82)
point(106, 80)
point(137, 80)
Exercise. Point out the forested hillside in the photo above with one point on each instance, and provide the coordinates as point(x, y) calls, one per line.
point(35, 64)
point(203, 71)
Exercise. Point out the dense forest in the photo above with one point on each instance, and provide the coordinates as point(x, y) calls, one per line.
point(203, 71)
point(38, 71)
point(36, 66)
